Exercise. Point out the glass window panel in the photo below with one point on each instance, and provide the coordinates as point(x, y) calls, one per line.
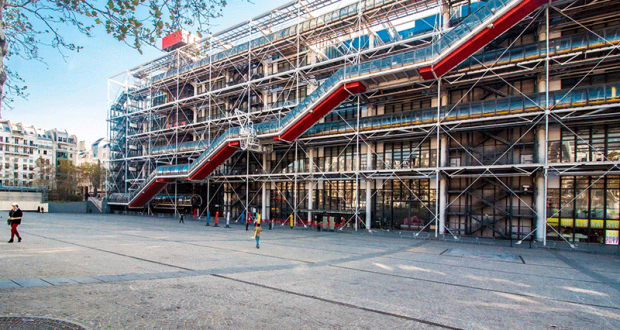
point(516, 104)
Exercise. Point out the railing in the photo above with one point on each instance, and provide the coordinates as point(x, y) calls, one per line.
point(558, 46)
point(569, 152)
point(96, 201)
point(578, 97)
point(421, 55)
point(336, 15)
point(181, 147)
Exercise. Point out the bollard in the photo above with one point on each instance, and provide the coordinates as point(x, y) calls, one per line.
point(270, 224)
point(208, 217)
point(291, 221)
point(228, 219)
point(217, 214)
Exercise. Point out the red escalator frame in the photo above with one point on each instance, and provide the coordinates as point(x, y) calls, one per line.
point(321, 110)
point(150, 192)
point(215, 161)
point(502, 24)
point(485, 36)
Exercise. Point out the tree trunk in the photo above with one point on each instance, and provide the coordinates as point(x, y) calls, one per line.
point(3, 51)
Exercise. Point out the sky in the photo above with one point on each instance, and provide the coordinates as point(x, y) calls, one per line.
point(72, 93)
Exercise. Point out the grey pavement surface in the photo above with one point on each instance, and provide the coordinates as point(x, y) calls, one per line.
point(131, 272)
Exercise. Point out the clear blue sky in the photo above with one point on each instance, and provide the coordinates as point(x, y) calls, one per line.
point(72, 94)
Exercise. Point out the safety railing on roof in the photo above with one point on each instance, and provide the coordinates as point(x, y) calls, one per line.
point(336, 15)
point(559, 46)
point(421, 56)
point(561, 99)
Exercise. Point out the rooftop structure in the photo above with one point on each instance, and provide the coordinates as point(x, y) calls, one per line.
point(459, 118)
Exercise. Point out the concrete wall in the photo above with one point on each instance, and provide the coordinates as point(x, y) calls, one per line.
point(27, 200)
point(68, 207)
point(92, 208)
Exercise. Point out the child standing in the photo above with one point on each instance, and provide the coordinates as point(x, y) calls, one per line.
point(257, 231)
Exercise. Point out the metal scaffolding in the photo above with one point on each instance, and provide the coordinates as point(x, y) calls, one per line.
point(456, 118)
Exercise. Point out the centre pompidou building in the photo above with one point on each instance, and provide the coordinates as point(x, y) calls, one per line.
point(490, 118)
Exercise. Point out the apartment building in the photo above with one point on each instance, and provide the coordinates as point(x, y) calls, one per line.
point(93, 153)
point(22, 145)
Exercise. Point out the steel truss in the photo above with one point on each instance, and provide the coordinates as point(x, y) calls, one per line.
point(484, 174)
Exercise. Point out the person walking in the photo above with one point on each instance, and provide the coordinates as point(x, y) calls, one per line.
point(15, 219)
point(257, 231)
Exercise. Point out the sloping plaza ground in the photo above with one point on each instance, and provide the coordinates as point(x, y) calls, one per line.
point(130, 272)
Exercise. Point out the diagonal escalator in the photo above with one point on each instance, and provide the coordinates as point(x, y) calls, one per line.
point(473, 33)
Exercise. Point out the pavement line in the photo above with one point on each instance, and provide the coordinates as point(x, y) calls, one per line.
point(220, 248)
point(409, 318)
point(112, 252)
point(496, 271)
point(477, 288)
point(592, 274)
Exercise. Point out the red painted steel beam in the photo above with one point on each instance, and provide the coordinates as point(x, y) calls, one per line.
point(215, 161)
point(485, 36)
point(332, 101)
point(150, 192)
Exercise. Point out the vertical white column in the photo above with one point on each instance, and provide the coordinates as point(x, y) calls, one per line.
point(443, 184)
point(310, 201)
point(310, 184)
point(264, 201)
point(368, 203)
point(369, 182)
point(541, 218)
point(445, 15)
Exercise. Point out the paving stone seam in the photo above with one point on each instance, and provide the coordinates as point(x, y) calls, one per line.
point(188, 243)
point(409, 318)
point(574, 265)
point(241, 251)
point(529, 264)
point(112, 252)
point(499, 271)
point(252, 253)
point(477, 288)
point(385, 254)
point(537, 265)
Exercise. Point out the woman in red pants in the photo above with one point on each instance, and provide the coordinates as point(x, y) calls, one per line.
point(15, 217)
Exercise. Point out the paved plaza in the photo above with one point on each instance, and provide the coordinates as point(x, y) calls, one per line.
point(129, 272)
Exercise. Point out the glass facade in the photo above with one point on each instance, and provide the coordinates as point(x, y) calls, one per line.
point(404, 155)
point(583, 208)
point(586, 144)
point(403, 204)
point(283, 199)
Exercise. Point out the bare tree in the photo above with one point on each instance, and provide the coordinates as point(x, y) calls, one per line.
point(44, 173)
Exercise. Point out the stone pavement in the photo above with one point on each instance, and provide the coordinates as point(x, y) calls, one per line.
point(130, 272)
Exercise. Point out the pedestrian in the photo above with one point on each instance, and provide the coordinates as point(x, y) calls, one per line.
point(15, 219)
point(247, 221)
point(181, 220)
point(257, 231)
point(195, 206)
